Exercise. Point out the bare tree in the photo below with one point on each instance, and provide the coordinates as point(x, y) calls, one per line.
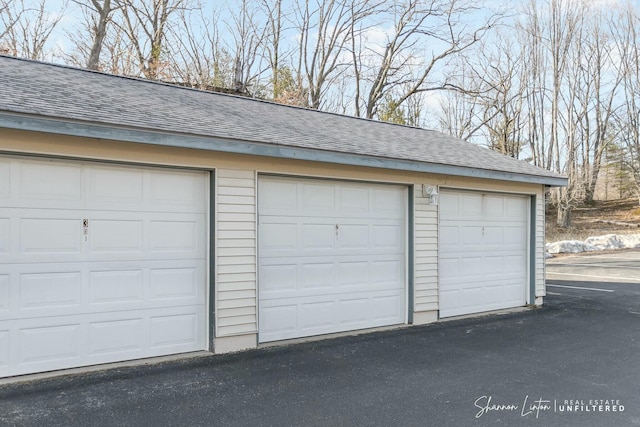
point(92, 34)
point(497, 92)
point(272, 43)
point(628, 118)
point(247, 37)
point(197, 57)
point(324, 35)
point(8, 19)
point(26, 30)
point(101, 19)
point(605, 74)
point(425, 35)
point(146, 22)
point(458, 115)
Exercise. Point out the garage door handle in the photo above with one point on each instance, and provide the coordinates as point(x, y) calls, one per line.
point(337, 231)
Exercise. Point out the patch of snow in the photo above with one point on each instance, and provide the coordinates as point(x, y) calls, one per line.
point(615, 241)
point(630, 240)
point(570, 246)
point(596, 243)
point(606, 242)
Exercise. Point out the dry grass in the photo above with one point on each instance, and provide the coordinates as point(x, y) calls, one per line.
point(588, 220)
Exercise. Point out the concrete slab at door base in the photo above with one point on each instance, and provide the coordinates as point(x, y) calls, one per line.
point(235, 343)
point(425, 317)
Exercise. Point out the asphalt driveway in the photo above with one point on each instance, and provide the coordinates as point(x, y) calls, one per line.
point(576, 361)
point(612, 266)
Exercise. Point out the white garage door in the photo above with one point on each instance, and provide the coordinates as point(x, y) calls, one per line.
point(99, 263)
point(331, 256)
point(482, 252)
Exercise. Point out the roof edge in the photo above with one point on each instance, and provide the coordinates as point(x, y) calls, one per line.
point(143, 80)
point(116, 133)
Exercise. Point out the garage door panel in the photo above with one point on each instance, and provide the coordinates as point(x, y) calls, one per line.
point(278, 236)
point(175, 331)
point(50, 235)
point(181, 190)
point(354, 236)
point(314, 237)
point(470, 205)
point(44, 291)
point(175, 284)
point(449, 238)
point(316, 277)
point(387, 307)
point(65, 292)
point(116, 185)
point(5, 289)
point(387, 236)
point(516, 235)
point(471, 267)
point(354, 200)
point(387, 272)
point(471, 236)
point(324, 275)
point(494, 235)
point(316, 197)
point(5, 236)
point(513, 265)
point(278, 197)
point(316, 314)
point(482, 253)
point(448, 271)
point(175, 235)
point(493, 206)
point(280, 320)
point(4, 350)
point(122, 337)
point(116, 235)
point(449, 206)
point(313, 315)
point(348, 245)
point(494, 266)
point(388, 201)
point(5, 179)
point(516, 208)
point(116, 286)
point(355, 273)
point(278, 278)
point(51, 181)
point(49, 343)
point(77, 292)
point(38, 344)
point(353, 311)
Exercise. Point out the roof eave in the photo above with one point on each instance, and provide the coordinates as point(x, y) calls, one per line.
point(94, 130)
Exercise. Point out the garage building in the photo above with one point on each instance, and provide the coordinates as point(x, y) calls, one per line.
point(139, 219)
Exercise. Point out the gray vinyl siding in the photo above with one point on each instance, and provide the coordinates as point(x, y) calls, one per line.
point(540, 244)
point(426, 253)
point(236, 252)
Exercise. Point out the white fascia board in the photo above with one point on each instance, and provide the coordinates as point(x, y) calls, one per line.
point(143, 136)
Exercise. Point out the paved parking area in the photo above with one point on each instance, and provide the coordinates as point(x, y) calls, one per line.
point(613, 266)
point(576, 361)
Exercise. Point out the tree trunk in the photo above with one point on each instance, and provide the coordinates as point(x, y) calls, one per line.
point(100, 29)
point(564, 215)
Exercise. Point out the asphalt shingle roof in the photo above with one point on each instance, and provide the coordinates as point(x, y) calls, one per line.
point(53, 91)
